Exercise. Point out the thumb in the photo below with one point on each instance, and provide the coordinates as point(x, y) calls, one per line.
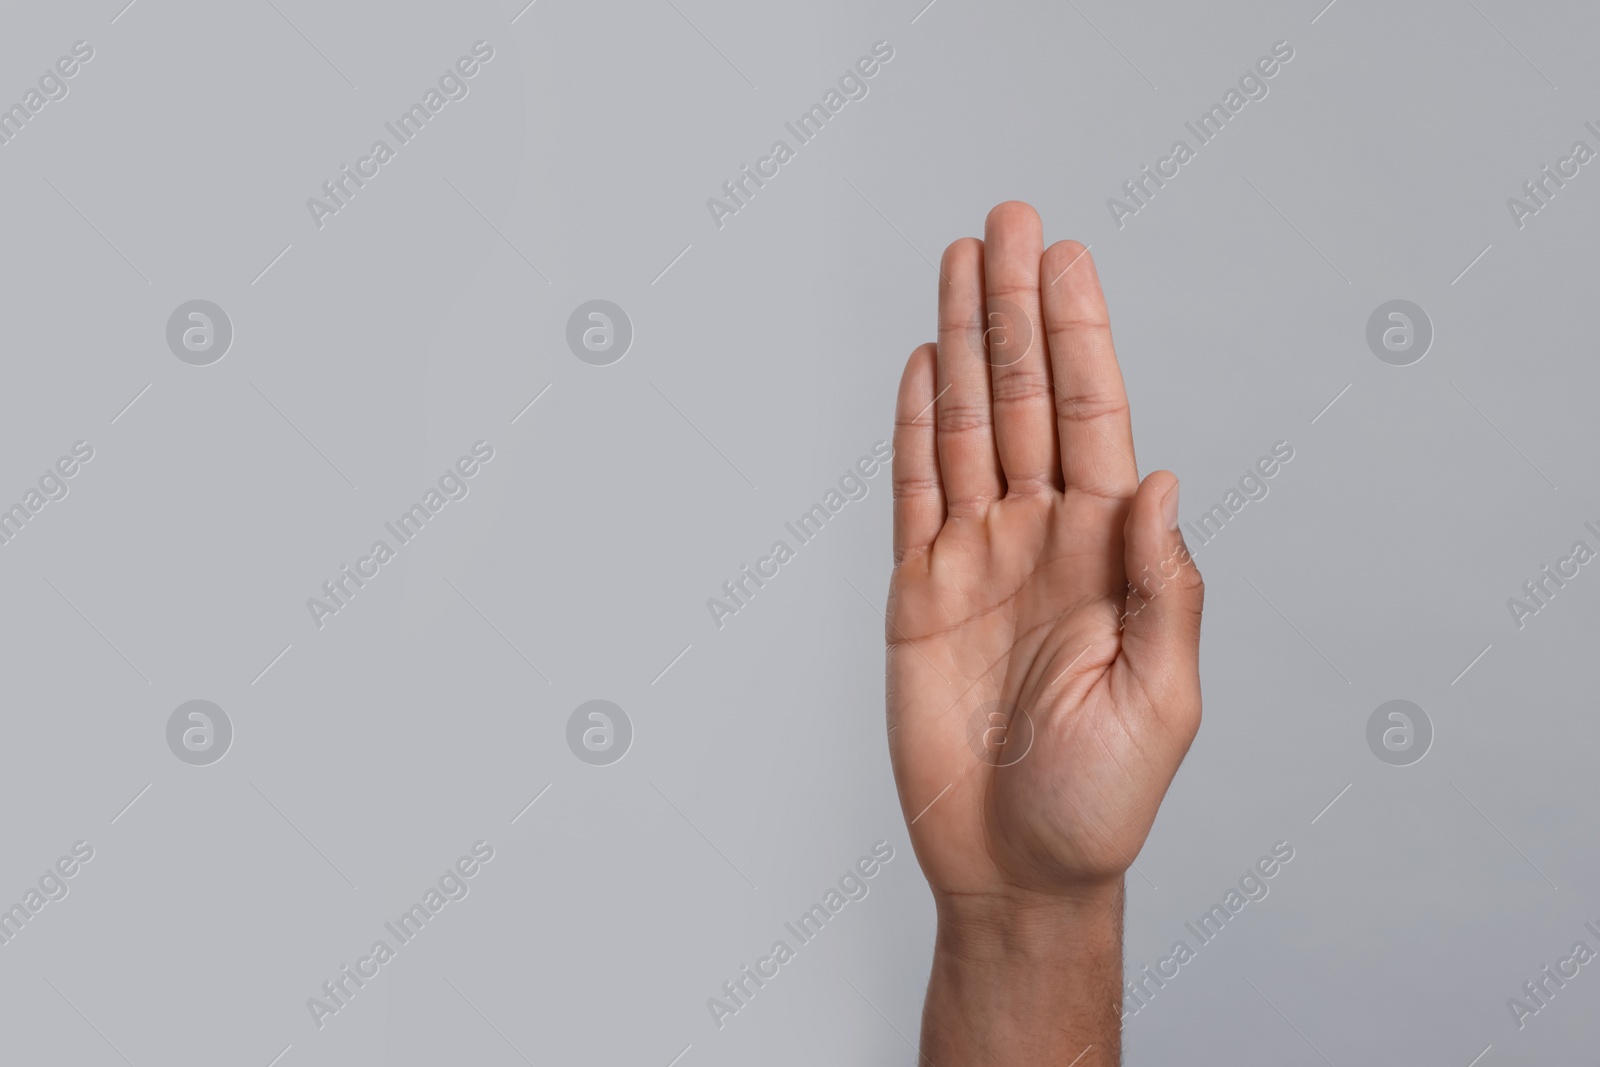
point(1161, 627)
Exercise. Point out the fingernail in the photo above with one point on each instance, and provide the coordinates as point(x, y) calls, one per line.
point(1169, 507)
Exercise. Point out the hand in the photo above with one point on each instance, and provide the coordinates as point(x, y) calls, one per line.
point(1037, 708)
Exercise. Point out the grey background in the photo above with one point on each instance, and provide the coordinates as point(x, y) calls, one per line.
point(372, 753)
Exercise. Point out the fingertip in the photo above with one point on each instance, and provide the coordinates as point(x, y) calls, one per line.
point(961, 250)
point(961, 289)
point(1069, 248)
point(919, 372)
point(1070, 260)
point(1163, 486)
point(1152, 525)
point(1152, 534)
point(1012, 213)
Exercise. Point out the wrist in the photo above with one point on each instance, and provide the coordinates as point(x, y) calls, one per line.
point(1027, 978)
point(1030, 927)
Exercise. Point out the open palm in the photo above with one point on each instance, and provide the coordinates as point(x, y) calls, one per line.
point(1044, 616)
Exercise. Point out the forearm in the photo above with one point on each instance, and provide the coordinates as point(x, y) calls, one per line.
point(1036, 985)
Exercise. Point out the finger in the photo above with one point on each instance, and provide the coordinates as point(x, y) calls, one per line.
point(1091, 404)
point(965, 424)
point(918, 496)
point(1161, 630)
point(1019, 368)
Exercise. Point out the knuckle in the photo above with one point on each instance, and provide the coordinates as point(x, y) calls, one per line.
point(1019, 385)
point(1013, 290)
point(914, 484)
point(969, 506)
point(956, 324)
point(1103, 488)
point(1066, 325)
point(1090, 406)
point(1029, 486)
point(959, 417)
point(902, 555)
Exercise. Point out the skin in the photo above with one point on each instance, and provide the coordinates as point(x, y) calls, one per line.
point(1043, 659)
